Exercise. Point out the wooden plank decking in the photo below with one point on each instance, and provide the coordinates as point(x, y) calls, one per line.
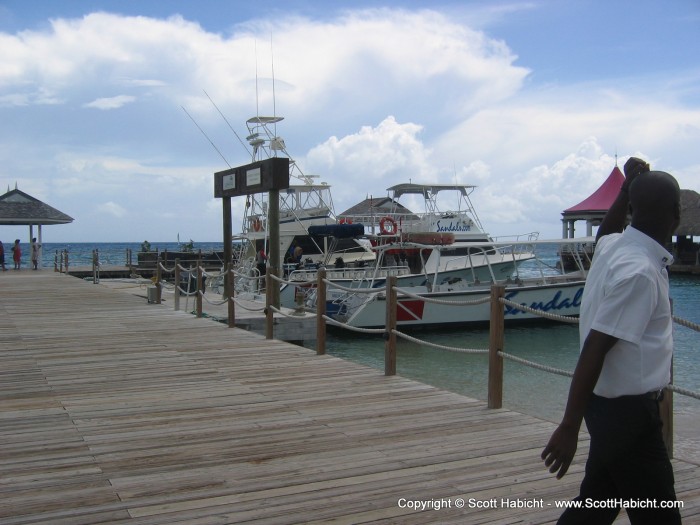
point(116, 411)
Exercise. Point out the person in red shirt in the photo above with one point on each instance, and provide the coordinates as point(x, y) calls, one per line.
point(17, 254)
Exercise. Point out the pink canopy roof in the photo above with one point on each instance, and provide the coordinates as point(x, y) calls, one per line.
point(602, 198)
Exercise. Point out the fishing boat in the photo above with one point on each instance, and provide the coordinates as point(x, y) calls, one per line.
point(445, 243)
point(540, 285)
point(305, 203)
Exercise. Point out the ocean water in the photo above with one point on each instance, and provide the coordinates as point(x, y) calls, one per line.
point(525, 389)
point(112, 253)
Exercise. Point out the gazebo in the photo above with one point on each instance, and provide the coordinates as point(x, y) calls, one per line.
point(593, 209)
point(370, 210)
point(21, 209)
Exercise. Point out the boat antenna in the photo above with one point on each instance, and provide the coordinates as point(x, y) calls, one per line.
point(207, 137)
point(257, 103)
point(274, 99)
point(245, 147)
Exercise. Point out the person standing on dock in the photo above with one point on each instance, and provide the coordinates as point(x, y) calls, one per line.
point(17, 254)
point(261, 265)
point(36, 250)
point(625, 361)
point(2, 257)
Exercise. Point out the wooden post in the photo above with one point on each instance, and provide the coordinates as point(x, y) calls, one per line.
point(229, 293)
point(390, 336)
point(269, 314)
point(200, 290)
point(95, 265)
point(159, 286)
point(320, 311)
point(55, 262)
point(228, 235)
point(496, 340)
point(273, 228)
point(66, 257)
point(176, 300)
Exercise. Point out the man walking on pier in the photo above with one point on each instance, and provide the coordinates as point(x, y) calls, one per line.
point(625, 361)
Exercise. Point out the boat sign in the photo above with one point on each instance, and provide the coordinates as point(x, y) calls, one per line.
point(561, 300)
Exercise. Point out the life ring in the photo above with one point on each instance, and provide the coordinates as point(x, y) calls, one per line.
point(387, 226)
point(257, 225)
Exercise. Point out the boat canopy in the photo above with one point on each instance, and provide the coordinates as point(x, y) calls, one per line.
point(428, 189)
point(339, 231)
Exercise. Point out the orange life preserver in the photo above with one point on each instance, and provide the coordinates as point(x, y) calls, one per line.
point(387, 226)
point(257, 225)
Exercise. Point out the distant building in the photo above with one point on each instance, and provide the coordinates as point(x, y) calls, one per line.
point(593, 208)
point(371, 210)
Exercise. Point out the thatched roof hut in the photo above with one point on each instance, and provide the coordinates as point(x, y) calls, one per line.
point(21, 209)
point(690, 214)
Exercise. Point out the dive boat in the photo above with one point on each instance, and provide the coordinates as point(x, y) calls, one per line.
point(536, 284)
point(440, 244)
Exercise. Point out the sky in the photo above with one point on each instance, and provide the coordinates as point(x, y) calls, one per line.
point(533, 102)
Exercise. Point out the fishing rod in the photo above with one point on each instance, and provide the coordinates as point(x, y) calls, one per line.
point(207, 137)
point(228, 124)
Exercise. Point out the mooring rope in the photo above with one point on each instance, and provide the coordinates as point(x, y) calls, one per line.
point(354, 290)
point(443, 301)
point(538, 366)
point(213, 303)
point(441, 347)
point(331, 321)
point(686, 323)
point(683, 391)
point(292, 283)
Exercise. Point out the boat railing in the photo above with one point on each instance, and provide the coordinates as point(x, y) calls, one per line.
point(359, 275)
point(518, 238)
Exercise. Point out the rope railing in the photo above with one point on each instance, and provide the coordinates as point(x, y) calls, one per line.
point(441, 347)
point(496, 338)
point(390, 333)
point(686, 323)
point(358, 329)
point(537, 366)
point(446, 302)
point(683, 391)
point(355, 290)
point(291, 283)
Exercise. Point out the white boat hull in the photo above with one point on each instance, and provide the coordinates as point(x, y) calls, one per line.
point(558, 298)
point(363, 278)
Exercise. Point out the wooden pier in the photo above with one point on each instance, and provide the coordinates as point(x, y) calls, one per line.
point(113, 410)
